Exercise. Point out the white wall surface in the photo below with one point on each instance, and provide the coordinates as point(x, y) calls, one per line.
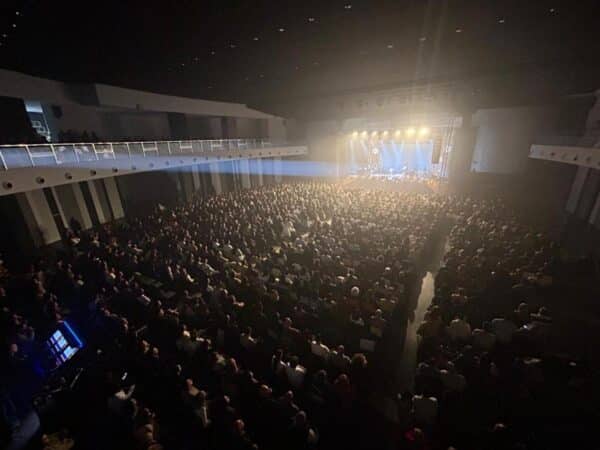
point(145, 125)
point(504, 137)
point(130, 98)
point(20, 85)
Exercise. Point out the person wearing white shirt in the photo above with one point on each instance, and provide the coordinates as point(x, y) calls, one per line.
point(459, 330)
point(295, 373)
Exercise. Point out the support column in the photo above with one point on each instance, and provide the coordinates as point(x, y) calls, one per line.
point(70, 206)
point(576, 189)
point(96, 201)
point(114, 198)
point(259, 167)
point(277, 169)
point(38, 217)
point(195, 177)
point(63, 216)
point(595, 214)
point(86, 220)
point(245, 171)
point(215, 177)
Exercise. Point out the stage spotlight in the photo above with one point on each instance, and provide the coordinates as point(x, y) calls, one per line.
point(410, 132)
point(423, 131)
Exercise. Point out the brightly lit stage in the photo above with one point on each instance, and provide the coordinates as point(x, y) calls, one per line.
point(411, 151)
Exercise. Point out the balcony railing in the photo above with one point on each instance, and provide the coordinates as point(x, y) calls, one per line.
point(35, 155)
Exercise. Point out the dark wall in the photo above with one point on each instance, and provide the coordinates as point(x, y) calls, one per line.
point(178, 125)
point(16, 244)
point(15, 126)
point(141, 192)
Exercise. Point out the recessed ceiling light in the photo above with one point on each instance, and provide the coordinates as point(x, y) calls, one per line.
point(458, 30)
point(182, 64)
point(213, 53)
point(311, 19)
point(255, 38)
point(4, 35)
point(14, 25)
point(501, 21)
point(281, 30)
point(17, 13)
point(348, 6)
point(552, 10)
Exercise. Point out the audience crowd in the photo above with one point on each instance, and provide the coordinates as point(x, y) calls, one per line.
point(268, 318)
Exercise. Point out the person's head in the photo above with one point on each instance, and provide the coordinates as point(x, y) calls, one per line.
point(239, 426)
point(288, 397)
point(300, 419)
point(321, 376)
point(359, 360)
point(265, 391)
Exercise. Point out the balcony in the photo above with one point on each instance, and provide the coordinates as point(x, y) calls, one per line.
point(23, 167)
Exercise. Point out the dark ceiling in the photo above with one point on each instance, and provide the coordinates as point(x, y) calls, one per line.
point(260, 51)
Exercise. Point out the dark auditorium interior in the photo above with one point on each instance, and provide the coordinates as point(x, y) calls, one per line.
point(299, 224)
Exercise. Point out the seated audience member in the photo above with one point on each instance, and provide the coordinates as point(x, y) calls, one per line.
point(301, 435)
point(319, 349)
point(246, 340)
point(432, 325)
point(339, 359)
point(425, 409)
point(459, 330)
point(484, 339)
point(378, 323)
point(295, 373)
point(503, 329)
point(452, 380)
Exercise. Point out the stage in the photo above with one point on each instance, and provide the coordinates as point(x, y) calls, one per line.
point(413, 151)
